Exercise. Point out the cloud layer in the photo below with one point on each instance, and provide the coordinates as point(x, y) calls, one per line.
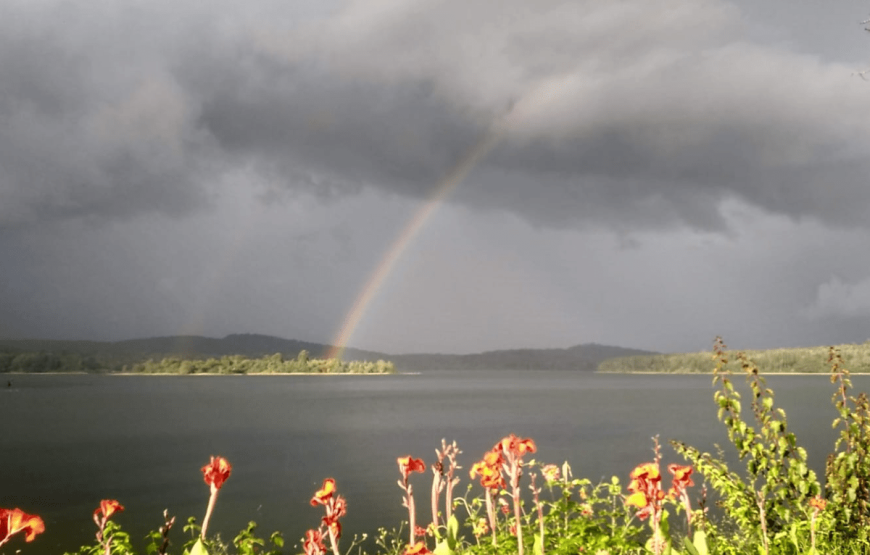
point(632, 115)
point(171, 168)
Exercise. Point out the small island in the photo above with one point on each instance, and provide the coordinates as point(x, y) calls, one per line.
point(237, 354)
point(274, 364)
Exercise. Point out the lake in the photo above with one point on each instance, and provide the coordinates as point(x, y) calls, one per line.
point(69, 441)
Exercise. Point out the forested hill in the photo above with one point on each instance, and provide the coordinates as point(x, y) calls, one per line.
point(583, 358)
point(89, 356)
point(36, 355)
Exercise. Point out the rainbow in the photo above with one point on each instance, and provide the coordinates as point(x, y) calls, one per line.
point(540, 95)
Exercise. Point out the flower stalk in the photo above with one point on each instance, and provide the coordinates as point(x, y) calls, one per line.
point(102, 514)
point(512, 449)
point(335, 507)
point(407, 465)
point(214, 474)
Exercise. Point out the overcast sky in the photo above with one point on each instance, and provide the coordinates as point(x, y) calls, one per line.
point(651, 173)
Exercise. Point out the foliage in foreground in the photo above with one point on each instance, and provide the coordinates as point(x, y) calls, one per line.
point(776, 505)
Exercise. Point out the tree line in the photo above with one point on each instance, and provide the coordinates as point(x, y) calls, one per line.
point(43, 362)
point(803, 360)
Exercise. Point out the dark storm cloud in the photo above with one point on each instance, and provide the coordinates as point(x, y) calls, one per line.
point(400, 138)
point(637, 115)
point(653, 127)
point(94, 123)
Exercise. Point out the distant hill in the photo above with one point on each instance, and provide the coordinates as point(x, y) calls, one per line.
point(582, 358)
point(113, 356)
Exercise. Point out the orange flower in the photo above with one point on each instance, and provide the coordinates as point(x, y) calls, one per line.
point(16, 520)
point(216, 472)
point(108, 507)
point(818, 503)
point(646, 471)
point(516, 446)
point(646, 489)
point(682, 476)
point(493, 458)
point(409, 464)
point(490, 475)
point(418, 548)
point(489, 470)
point(682, 480)
point(324, 494)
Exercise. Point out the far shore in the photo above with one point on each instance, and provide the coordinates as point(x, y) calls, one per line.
point(763, 374)
point(260, 374)
point(201, 374)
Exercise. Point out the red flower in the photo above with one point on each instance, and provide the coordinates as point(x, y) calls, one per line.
point(216, 472)
point(335, 509)
point(108, 507)
point(313, 544)
point(339, 508)
point(418, 548)
point(16, 520)
point(409, 464)
point(334, 527)
point(324, 494)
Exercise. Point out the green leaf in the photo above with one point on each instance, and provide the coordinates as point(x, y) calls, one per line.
point(198, 548)
point(441, 549)
point(452, 532)
point(539, 545)
point(689, 547)
point(699, 542)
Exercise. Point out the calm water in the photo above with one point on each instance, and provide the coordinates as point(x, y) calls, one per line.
point(69, 441)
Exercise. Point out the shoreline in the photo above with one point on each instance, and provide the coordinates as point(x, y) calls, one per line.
point(257, 374)
point(203, 374)
point(762, 374)
point(639, 373)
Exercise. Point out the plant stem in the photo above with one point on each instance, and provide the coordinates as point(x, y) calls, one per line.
point(211, 502)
